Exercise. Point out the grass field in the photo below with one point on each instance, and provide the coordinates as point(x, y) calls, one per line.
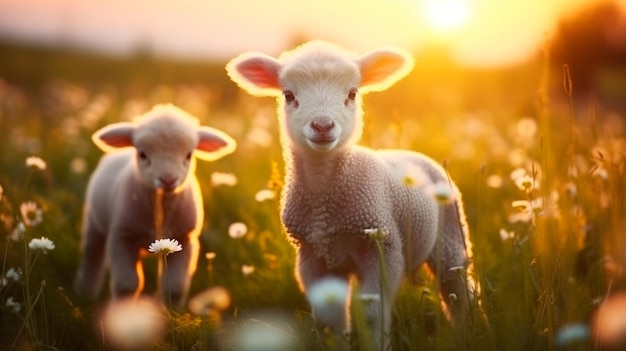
point(542, 178)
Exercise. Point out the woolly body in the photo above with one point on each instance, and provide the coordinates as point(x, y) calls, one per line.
point(335, 190)
point(150, 163)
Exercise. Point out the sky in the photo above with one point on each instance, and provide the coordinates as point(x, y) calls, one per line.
point(477, 32)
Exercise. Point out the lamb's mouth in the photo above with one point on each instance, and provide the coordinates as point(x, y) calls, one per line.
point(322, 142)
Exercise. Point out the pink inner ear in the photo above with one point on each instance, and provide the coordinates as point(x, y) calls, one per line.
point(379, 69)
point(259, 72)
point(210, 144)
point(115, 136)
point(117, 141)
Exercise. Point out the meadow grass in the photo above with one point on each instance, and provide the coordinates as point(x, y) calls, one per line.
point(543, 185)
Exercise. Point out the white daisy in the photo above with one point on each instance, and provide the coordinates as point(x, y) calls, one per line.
point(165, 246)
point(237, 230)
point(247, 269)
point(442, 192)
point(44, 244)
point(220, 178)
point(377, 234)
point(13, 305)
point(13, 274)
point(31, 214)
point(328, 292)
point(265, 194)
point(35, 162)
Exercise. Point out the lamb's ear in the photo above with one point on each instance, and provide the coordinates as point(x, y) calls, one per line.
point(114, 136)
point(382, 68)
point(213, 144)
point(256, 73)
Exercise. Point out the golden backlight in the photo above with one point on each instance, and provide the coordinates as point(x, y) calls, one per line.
point(446, 14)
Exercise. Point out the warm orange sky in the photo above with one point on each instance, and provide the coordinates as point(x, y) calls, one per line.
point(495, 32)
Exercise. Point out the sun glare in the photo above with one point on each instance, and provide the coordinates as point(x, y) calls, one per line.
point(446, 14)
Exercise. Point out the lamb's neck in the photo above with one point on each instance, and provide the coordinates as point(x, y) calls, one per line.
point(318, 172)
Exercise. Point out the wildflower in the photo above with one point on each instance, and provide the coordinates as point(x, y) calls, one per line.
point(220, 178)
point(31, 214)
point(247, 269)
point(165, 246)
point(328, 292)
point(524, 211)
point(133, 323)
point(210, 256)
point(265, 194)
point(215, 298)
point(442, 192)
point(237, 230)
point(35, 162)
point(44, 244)
point(18, 231)
point(518, 173)
point(506, 235)
point(601, 173)
point(13, 274)
point(255, 335)
point(412, 176)
point(13, 305)
point(376, 234)
point(571, 333)
point(526, 183)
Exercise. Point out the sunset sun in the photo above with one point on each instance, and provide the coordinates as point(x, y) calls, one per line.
point(446, 14)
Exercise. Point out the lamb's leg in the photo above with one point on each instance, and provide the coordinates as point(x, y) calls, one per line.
point(180, 267)
point(335, 316)
point(92, 266)
point(377, 293)
point(126, 268)
point(449, 262)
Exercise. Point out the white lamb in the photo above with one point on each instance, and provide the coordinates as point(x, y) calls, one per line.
point(337, 192)
point(143, 187)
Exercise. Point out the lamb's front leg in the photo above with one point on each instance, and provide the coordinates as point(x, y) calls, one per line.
point(126, 269)
point(181, 265)
point(328, 293)
point(92, 265)
point(380, 279)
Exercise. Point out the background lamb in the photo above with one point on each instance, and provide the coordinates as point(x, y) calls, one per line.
point(336, 191)
point(150, 165)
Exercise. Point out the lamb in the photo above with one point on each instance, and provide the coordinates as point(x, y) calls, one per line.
point(337, 192)
point(145, 187)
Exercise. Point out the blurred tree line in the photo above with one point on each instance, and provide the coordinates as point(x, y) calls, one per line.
point(592, 42)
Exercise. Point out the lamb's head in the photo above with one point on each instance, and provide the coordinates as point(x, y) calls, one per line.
point(166, 140)
point(318, 86)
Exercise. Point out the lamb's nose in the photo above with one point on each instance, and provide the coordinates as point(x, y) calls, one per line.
point(323, 127)
point(168, 182)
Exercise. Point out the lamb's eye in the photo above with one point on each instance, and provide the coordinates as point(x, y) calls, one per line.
point(289, 97)
point(188, 157)
point(143, 155)
point(352, 94)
